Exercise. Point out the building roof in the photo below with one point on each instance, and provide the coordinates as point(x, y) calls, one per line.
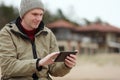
point(61, 24)
point(99, 27)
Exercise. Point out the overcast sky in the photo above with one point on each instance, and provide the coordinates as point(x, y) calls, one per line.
point(106, 10)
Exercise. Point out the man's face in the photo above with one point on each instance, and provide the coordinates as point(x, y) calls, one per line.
point(32, 19)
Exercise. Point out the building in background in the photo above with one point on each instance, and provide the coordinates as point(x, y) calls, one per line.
point(90, 39)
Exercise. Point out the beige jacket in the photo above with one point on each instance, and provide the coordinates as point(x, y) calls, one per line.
point(16, 54)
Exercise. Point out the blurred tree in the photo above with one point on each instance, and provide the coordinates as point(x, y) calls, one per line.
point(61, 15)
point(7, 13)
point(98, 21)
point(48, 17)
point(87, 21)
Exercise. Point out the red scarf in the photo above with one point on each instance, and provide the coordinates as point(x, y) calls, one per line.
point(30, 34)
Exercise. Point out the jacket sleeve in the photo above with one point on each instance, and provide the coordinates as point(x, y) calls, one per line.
point(58, 68)
point(10, 65)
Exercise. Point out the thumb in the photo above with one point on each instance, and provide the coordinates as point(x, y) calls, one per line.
point(54, 54)
point(77, 51)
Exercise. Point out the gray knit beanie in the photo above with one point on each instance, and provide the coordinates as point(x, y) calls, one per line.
point(27, 5)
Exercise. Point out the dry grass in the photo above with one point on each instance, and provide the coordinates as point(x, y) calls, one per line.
point(100, 59)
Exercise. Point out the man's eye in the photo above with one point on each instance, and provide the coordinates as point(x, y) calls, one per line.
point(34, 14)
point(41, 14)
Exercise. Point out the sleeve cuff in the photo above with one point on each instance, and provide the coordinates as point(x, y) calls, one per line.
point(39, 68)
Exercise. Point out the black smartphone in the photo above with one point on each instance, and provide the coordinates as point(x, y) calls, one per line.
point(61, 57)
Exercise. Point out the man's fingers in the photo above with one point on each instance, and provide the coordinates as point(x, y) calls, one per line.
point(54, 55)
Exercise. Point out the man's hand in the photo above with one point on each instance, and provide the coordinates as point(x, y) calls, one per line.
point(49, 59)
point(70, 61)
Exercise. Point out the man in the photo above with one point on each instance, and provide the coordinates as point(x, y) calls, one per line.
point(28, 48)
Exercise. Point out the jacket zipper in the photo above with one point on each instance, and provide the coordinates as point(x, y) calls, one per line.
point(34, 76)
